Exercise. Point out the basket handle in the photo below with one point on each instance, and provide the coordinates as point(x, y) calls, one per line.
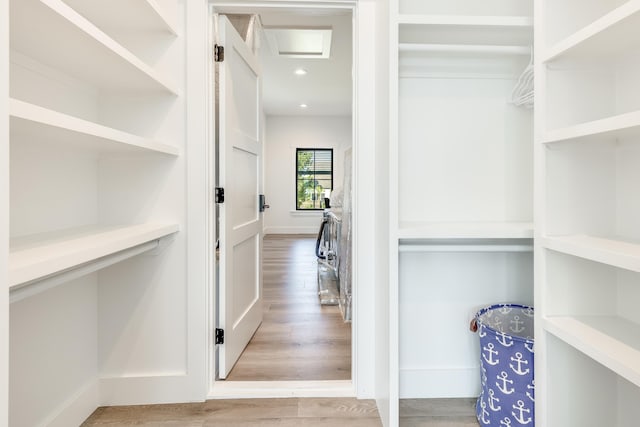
point(473, 325)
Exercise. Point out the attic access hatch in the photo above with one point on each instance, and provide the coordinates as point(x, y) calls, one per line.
point(300, 42)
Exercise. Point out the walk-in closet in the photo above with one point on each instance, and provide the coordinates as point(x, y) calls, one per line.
point(496, 151)
point(462, 221)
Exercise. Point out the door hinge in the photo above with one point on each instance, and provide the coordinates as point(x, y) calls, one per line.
point(219, 336)
point(219, 195)
point(218, 53)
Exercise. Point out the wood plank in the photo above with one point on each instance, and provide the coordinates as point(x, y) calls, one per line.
point(438, 412)
point(345, 412)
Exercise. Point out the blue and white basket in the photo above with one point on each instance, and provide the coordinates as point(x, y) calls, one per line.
point(506, 362)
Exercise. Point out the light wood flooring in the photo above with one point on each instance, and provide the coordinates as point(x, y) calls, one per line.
point(438, 413)
point(298, 339)
point(294, 412)
point(307, 412)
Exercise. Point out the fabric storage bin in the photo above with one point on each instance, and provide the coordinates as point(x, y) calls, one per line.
point(506, 360)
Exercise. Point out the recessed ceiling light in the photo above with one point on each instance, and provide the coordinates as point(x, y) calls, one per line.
point(303, 105)
point(300, 72)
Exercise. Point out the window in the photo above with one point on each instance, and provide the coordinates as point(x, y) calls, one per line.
point(314, 177)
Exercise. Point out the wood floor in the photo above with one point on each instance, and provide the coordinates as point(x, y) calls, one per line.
point(299, 339)
point(294, 412)
point(438, 413)
point(307, 412)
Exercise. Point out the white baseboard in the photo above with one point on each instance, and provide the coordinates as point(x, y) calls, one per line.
point(156, 389)
point(439, 383)
point(280, 389)
point(293, 230)
point(77, 408)
point(121, 391)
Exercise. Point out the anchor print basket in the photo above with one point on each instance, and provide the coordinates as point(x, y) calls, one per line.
point(506, 362)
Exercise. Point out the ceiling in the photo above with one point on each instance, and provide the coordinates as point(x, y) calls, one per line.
point(326, 89)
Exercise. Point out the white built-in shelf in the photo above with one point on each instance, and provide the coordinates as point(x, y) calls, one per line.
point(466, 245)
point(467, 20)
point(465, 230)
point(617, 253)
point(38, 123)
point(614, 33)
point(466, 7)
point(612, 341)
point(463, 49)
point(38, 257)
point(51, 32)
point(621, 126)
point(474, 30)
point(141, 15)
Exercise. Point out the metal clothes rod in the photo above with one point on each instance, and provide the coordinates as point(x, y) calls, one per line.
point(36, 286)
point(465, 248)
point(464, 48)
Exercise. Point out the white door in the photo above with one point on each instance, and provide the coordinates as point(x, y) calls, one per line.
point(240, 152)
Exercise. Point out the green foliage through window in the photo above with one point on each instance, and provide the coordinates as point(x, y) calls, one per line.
point(314, 177)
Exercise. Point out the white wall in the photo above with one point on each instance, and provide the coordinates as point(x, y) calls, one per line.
point(4, 213)
point(53, 351)
point(283, 135)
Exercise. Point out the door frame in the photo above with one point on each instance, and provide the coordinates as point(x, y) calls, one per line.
point(234, 389)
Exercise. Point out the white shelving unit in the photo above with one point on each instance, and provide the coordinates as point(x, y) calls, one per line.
point(609, 340)
point(462, 182)
point(35, 258)
point(465, 230)
point(97, 201)
point(142, 16)
point(79, 48)
point(588, 251)
point(623, 126)
point(607, 251)
point(36, 122)
point(611, 34)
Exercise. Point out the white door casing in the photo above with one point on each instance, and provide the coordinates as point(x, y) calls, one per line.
point(240, 154)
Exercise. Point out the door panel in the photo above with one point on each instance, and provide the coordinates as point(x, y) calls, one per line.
point(245, 86)
point(239, 162)
point(244, 187)
point(246, 294)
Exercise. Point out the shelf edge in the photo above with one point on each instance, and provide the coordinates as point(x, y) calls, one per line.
point(464, 48)
point(27, 289)
point(594, 249)
point(599, 26)
point(466, 20)
point(44, 116)
point(162, 15)
point(34, 267)
point(102, 38)
point(611, 352)
point(523, 230)
point(612, 124)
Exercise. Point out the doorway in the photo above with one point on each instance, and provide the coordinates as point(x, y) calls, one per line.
point(299, 235)
point(299, 339)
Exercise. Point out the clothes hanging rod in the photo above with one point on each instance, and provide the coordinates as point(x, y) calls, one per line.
point(464, 48)
point(36, 286)
point(465, 248)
